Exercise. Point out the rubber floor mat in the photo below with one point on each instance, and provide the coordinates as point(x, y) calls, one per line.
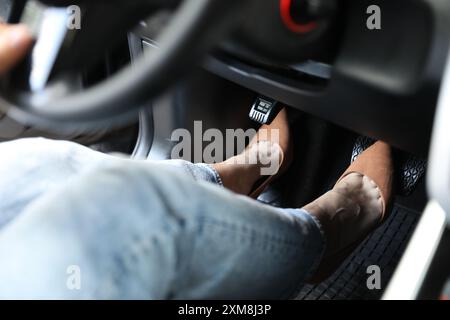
point(382, 248)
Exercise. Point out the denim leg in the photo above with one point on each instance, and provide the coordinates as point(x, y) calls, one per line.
point(144, 230)
point(32, 167)
point(198, 171)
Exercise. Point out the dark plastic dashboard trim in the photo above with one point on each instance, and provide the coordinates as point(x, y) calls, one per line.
point(395, 104)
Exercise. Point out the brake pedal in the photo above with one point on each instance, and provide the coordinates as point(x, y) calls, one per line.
point(264, 110)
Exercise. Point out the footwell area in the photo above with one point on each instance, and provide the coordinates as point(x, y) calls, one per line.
point(316, 173)
point(383, 248)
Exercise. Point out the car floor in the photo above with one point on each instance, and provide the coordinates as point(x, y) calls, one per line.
point(322, 152)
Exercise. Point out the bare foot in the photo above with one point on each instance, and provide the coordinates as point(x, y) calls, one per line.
point(240, 173)
point(269, 154)
point(348, 212)
point(354, 207)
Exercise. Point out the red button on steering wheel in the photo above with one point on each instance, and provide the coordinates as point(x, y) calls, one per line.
point(290, 23)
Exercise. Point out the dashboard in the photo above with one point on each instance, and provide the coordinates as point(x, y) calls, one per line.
point(381, 83)
point(322, 57)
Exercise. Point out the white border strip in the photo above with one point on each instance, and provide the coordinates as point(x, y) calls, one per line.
point(438, 177)
point(413, 267)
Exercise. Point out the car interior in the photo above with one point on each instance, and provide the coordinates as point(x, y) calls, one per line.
point(137, 70)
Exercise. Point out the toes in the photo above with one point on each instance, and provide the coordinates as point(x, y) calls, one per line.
point(370, 185)
point(374, 194)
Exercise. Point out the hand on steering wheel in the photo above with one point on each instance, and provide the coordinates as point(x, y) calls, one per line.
point(15, 41)
point(57, 105)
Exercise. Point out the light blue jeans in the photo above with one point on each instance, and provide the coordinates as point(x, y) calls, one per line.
point(78, 224)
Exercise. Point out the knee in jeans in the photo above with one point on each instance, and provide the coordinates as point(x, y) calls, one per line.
point(143, 189)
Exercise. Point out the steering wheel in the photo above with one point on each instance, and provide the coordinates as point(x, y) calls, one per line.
point(53, 104)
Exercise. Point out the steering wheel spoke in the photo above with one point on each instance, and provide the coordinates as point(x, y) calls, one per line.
point(196, 26)
point(61, 46)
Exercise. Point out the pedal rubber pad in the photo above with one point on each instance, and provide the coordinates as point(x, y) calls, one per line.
point(264, 110)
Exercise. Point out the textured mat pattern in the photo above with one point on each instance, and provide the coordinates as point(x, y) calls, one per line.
point(384, 248)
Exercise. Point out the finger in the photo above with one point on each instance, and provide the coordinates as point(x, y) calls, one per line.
point(15, 41)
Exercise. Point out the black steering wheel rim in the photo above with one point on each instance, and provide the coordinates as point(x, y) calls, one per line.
point(196, 26)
